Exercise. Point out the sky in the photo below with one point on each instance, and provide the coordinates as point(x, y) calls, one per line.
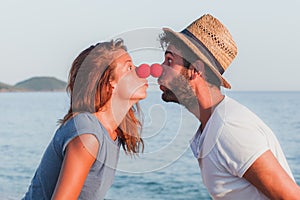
point(42, 38)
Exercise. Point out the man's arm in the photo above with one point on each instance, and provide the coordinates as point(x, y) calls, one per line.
point(267, 175)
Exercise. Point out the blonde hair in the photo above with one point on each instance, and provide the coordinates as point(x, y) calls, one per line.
point(89, 88)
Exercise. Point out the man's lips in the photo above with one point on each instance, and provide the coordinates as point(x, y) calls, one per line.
point(162, 88)
point(161, 85)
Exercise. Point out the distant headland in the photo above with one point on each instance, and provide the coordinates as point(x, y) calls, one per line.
point(35, 84)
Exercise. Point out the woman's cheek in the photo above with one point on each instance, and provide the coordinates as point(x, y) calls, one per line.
point(128, 86)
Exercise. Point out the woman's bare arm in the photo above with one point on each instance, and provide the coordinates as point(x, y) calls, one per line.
point(80, 155)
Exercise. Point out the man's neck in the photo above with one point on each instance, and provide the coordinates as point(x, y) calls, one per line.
point(208, 100)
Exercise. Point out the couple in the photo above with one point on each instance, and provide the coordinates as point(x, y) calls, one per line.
point(239, 156)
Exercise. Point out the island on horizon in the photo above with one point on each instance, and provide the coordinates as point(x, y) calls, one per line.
point(35, 84)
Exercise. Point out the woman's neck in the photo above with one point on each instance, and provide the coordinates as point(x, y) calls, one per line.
point(112, 114)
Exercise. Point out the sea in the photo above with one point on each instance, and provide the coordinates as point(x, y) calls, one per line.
point(166, 170)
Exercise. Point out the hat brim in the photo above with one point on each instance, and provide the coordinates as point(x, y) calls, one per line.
point(190, 45)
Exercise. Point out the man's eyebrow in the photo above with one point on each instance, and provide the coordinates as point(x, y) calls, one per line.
point(169, 52)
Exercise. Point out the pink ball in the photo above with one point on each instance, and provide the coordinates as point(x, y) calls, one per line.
point(156, 70)
point(143, 71)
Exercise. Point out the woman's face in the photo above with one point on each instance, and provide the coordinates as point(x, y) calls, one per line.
point(127, 85)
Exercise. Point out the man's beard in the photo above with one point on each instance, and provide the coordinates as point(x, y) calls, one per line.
point(179, 91)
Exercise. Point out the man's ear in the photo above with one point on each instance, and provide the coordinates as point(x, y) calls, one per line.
point(199, 66)
point(196, 69)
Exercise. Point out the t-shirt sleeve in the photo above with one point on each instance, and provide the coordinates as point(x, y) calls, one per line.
point(82, 124)
point(240, 146)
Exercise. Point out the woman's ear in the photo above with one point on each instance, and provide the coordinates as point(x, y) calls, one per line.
point(113, 85)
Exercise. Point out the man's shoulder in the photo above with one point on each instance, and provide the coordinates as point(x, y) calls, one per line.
point(233, 112)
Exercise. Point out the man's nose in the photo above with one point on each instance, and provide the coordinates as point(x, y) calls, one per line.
point(156, 70)
point(144, 70)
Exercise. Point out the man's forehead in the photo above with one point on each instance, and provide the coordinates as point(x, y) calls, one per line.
point(173, 50)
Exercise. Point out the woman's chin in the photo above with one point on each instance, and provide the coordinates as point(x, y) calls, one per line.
point(138, 97)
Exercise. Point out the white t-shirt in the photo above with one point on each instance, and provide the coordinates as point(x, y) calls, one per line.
point(232, 140)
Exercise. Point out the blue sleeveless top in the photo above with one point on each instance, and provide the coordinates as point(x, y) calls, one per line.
point(102, 172)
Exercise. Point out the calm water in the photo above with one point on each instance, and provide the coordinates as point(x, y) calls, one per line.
point(167, 169)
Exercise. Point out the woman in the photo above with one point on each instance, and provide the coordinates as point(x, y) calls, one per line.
point(81, 159)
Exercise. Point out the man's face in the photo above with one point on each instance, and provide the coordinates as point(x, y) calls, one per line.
point(172, 68)
point(174, 79)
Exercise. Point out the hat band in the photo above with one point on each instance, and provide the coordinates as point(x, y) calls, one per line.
point(203, 49)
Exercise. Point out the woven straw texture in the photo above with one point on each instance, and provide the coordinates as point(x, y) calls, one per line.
point(217, 40)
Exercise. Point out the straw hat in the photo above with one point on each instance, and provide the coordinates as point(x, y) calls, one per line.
point(209, 34)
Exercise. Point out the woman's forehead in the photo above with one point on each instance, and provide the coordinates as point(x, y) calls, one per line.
point(121, 56)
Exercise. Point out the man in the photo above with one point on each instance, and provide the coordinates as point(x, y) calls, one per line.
point(239, 156)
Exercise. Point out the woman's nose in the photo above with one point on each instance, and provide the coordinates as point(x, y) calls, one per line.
point(144, 70)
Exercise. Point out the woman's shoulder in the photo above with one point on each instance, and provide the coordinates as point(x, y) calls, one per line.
point(81, 122)
point(85, 117)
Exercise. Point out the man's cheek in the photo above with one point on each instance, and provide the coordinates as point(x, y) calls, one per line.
point(178, 81)
point(169, 78)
